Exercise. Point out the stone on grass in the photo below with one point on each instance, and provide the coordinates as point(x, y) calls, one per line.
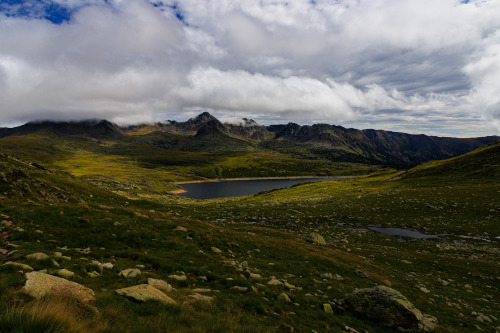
point(178, 277)
point(216, 250)
point(274, 282)
point(327, 308)
point(255, 276)
point(388, 306)
point(64, 273)
point(23, 267)
point(316, 238)
point(145, 293)
point(39, 285)
point(284, 298)
point(179, 228)
point(160, 285)
point(37, 256)
point(240, 289)
point(199, 297)
point(362, 274)
point(130, 273)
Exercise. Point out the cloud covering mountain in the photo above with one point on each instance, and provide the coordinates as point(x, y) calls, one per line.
point(415, 66)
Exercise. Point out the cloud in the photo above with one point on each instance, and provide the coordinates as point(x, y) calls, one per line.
point(416, 65)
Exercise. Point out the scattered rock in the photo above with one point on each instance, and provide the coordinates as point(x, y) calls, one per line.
point(362, 274)
point(423, 289)
point(274, 282)
point(215, 250)
point(179, 228)
point(145, 293)
point(316, 238)
point(39, 256)
point(390, 307)
point(199, 297)
point(283, 298)
point(130, 273)
point(160, 285)
point(65, 273)
point(327, 308)
point(240, 289)
point(39, 285)
point(178, 277)
point(255, 276)
point(23, 267)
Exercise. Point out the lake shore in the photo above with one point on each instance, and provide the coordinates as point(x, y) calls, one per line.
point(258, 178)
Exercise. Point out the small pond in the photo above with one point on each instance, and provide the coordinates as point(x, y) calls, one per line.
point(235, 188)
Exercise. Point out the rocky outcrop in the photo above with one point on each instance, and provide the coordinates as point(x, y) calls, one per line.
point(39, 285)
point(388, 306)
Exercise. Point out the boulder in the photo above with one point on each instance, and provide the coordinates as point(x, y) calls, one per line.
point(316, 238)
point(215, 250)
point(239, 289)
point(179, 228)
point(388, 306)
point(145, 293)
point(160, 285)
point(39, 285)
point(130, 273)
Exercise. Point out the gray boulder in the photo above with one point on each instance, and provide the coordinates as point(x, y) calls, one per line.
point(316, 238)
point(388, 306)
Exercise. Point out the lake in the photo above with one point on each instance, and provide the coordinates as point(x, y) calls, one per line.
point(235, 188)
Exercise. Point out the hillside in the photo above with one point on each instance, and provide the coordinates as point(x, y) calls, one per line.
point(229, 261)
point(482, 163)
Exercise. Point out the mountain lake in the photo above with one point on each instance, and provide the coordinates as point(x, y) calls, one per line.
point(235, 188)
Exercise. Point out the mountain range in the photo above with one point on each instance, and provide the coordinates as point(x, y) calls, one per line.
point(205, 133)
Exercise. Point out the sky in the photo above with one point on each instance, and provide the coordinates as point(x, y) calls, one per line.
point(415, 66)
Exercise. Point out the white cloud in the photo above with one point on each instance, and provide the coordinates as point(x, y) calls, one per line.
point(395, 64)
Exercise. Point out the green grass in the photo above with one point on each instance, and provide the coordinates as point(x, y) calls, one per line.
point(62, 212)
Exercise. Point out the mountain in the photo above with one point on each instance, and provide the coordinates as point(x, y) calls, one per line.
point(97, 129)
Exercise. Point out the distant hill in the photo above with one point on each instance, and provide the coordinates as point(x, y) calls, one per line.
point(205, 133)
point(97, 129)
point(483, 162)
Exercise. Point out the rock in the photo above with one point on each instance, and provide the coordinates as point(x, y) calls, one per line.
point(288, 286)
point(23, 267)
point(160, 285)
point(215, 250)
point(130, 273)
point(93, 274)
point(327, 308)
point(179, 228)
point(362, 274)
point(283, 298)
point(243, 264)
point(199, 297)
point(39, 256)
point(240, 289)
point(316, 238)
point(65, 273)
point(255, 276)
point(389, 306)
point(327, 276)
point(178, 277)
point(39, 285)
point(201, 290)
point(57, 254)
point(145, 293)
point(423, 289)
point(275, 282)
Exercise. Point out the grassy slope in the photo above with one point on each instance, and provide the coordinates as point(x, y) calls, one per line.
point(277, 221)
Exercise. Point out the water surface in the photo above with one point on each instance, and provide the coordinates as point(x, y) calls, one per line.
point(235, 188)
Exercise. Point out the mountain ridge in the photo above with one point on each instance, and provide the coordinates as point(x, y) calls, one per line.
point(318, 141)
